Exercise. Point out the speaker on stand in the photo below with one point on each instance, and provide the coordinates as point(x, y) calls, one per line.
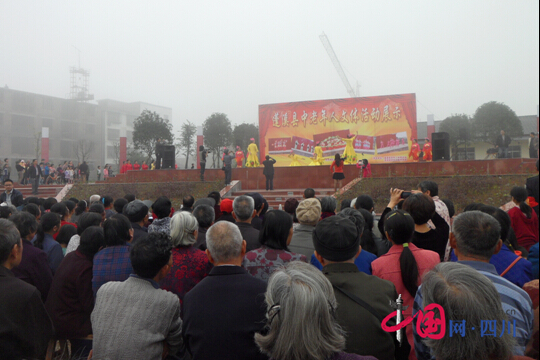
point(169, 153)
point(441, 146)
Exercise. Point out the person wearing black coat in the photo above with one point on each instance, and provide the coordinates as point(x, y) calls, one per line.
point(34, 173)
point(269, 172)
point(502, 143)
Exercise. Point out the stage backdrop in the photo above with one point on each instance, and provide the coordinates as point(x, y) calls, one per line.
point(384, 125)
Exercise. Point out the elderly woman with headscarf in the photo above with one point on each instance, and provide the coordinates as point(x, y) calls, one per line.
point(190, 265)
point(301, 320)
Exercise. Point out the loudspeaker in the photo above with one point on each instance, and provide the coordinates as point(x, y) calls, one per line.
point(441, 146)
point(168, 154)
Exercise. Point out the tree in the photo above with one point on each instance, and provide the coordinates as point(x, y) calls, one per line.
point(217, 134)
point(186, 140)
point(492, 117)
point(83, 149)
point(243, 132)
point(453, 125)
point(148, 128)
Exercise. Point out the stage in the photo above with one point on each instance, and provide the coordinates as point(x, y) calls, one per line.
point(320, 176)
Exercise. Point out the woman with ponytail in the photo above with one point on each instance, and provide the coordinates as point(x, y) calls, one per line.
point(524, 219)
point(404, 264)
point(49, 224)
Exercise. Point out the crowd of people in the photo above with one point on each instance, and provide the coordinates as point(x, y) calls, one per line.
point(224, 278)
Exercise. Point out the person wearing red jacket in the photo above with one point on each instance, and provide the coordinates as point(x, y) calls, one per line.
point(415, 150)
point(129, 166)
point(144, 166)
point(136, 166)
point(428, 156)
point(337, 170)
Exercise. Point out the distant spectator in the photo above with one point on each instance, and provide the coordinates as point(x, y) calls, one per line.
point(48, 203)
point(309, 193)
point(34, 267)
point(187, 203)
point(49, 224)
point(33, 209)
point(153, 315)
point(137, 213)
point(291, 204)
point(65, 219)
point(205, 217)
point(308, 213)
point(108, 205)
point(64, 235)
point(82, 207)
point(217, 198)
point(87, 219)
point(71, 301)
point(524, 218)
point(260, 209)
point(98, 209)
point(274, 238)
point(243, 213)
point(190, 265)
point(119, 205)
point(10, 195)
point(22, 309)
point(71, 207)
point(129, 197)
point(366, 202)
point(369, 240)
point(328, 206)
point(94, 198)
point(162, 208)
point(113, 263)
point(345, 203)
point(226, 208)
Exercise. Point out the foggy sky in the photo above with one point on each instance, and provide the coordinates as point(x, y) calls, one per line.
point(200, 57)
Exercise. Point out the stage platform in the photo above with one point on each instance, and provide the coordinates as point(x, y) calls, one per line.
point(301, 177)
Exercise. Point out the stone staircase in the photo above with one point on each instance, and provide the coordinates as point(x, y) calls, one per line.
point(278, 197)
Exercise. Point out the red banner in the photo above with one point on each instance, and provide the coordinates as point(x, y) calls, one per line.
point(379, 124)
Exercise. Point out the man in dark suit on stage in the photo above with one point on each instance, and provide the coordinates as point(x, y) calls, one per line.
point(222, 313)
point(502, 143)
point(34, 173)
point(532, 188)
point(159, 153)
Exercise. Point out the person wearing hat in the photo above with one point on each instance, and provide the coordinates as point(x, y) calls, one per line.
point(337, 244)
point(428, 156)
point(239, 155)
point(137, 213)
point(308, 214)
point(226, 208)
point(253, 157)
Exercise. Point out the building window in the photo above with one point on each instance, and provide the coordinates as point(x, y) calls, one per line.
point(48, 123)
point(113, 135)
point(68, 130)
point(24, 102)
point(112, 152)
point(66, 149)
point(113, 118)
point(47, 104)
point(514, 151)
point(90, 129)
point(22, 125)
point(23, 146)
point(464, 154)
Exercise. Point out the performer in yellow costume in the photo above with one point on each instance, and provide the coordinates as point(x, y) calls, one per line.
point(295, 159)
point(349, 154)
point(318, 156)
point(253, 157)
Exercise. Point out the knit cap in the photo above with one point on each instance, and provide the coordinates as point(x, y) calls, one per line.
point(308, 211)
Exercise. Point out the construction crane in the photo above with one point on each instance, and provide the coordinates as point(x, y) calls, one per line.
point(337, 65)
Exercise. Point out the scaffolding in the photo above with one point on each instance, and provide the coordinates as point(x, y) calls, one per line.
point(79, 84)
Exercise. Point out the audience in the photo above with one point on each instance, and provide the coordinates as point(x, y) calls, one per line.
point(49, 224)
point(21, 309)
point(261, 206)
point(113, 262)
point(71, 299)
point(308, 213)
point(64, 235)
point(98, 208)
point(187, 203)
point(205, 216)
point(108, 205)
point(119, 205)
point(243, 213)
point(82, 207)
point(404, 264)
point(301, 317)
point(475, 238)
point(226, 208)
point(137, 213)
point(328, 206)
point(153, 314)
point(337, 244)
point(309, 193)
point(189, 265)
point(524, 218)
point(275, 236)
point(87, 219)
point(34, 267)
point(217, 202)
point(222, 313)
point(162, 208)
point(459, 290)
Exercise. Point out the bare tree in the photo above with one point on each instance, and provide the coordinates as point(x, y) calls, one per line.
point(83, 149)
point(186, 142)
point(37, 139)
